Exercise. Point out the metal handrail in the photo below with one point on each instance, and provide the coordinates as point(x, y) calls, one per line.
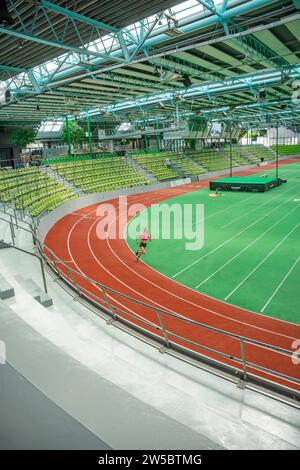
point(12, 245)
point(242, 339)
point(14, 215)
point(117, 313)
point(166, 312)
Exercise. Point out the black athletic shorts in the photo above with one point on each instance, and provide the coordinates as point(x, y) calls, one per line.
point(143, 244)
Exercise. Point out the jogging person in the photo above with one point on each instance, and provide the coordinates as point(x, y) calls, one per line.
point(143, 243)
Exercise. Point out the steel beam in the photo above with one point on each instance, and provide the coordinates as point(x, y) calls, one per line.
point(59, 45)
point(100, 61)
point(210, 5)
point(77, 16)
point(234, 85)
point(157, 55)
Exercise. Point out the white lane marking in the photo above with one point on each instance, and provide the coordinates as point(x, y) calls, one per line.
point(230, 239)
point(247, 213)
point(196, 305)
point(184, 299)
point(280, 284)
point(246, 248)
point(222, 210)
point(82, 272)
point(261, 262)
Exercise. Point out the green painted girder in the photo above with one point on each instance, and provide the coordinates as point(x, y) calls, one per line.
point(115, 56)
point(8, 68)
point(249, 43)
point(210, 5)
point(141, 75)
point(129, 72)
point(117, 82)
point(177, 64)
point(294, 28)
point(145, 34)
point(233, 85)
point(256, 49)
point(59, 45)
point(274, 44)
point(297, 4)
point(22, 123)
point(287, 113)
point(76, 16)
point(223, 6)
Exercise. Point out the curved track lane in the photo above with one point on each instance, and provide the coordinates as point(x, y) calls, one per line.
point(110, 262)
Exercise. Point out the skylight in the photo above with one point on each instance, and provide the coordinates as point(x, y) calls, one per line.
point(51, 126)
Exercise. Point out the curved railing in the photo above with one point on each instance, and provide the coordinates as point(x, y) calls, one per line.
point(245, 360)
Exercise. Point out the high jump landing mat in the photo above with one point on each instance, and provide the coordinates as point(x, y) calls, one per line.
point(246, 183)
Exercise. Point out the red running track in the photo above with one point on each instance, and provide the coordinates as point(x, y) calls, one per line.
point(110, 262)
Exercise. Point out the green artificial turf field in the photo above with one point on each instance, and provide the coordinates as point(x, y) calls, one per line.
point(251, 252)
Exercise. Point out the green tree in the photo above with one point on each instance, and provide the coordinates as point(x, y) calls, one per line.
point(77, 134)
point(23, 136)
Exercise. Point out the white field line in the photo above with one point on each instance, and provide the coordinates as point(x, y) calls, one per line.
point(246, 247)
point(245, 215)
point(222, 210)
point(280, 284)
point(230, 239)
point(261, 262)
point(177, 296)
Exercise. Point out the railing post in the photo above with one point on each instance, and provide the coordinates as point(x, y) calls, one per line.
point(12, 233)
point(163, 328)
point(111, 308)
point(73, 280)
point(16, 220)
point(243, 356)
point(55, 264)
point(43, 275)
point(33, 235)
point(12, 224)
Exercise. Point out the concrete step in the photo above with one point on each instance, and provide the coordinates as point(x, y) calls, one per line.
point(4, 245)
point(195, 163)
point(35, 291)
point(45, 300)
point(147, 175)
point(60, 179)
point(6, 290)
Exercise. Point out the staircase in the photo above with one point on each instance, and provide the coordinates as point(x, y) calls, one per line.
point(148, 176)
point(35, 291)
point(204, 170)
point(177, 169)
point(61, 180)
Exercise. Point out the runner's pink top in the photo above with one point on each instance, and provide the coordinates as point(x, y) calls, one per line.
point(145, 235)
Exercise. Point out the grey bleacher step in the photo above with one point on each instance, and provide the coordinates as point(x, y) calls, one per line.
point(6, 290)
point(4, 245)
point(35, 291)
point(45, 300)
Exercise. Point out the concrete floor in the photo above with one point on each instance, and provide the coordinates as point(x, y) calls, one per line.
point(121, 390)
